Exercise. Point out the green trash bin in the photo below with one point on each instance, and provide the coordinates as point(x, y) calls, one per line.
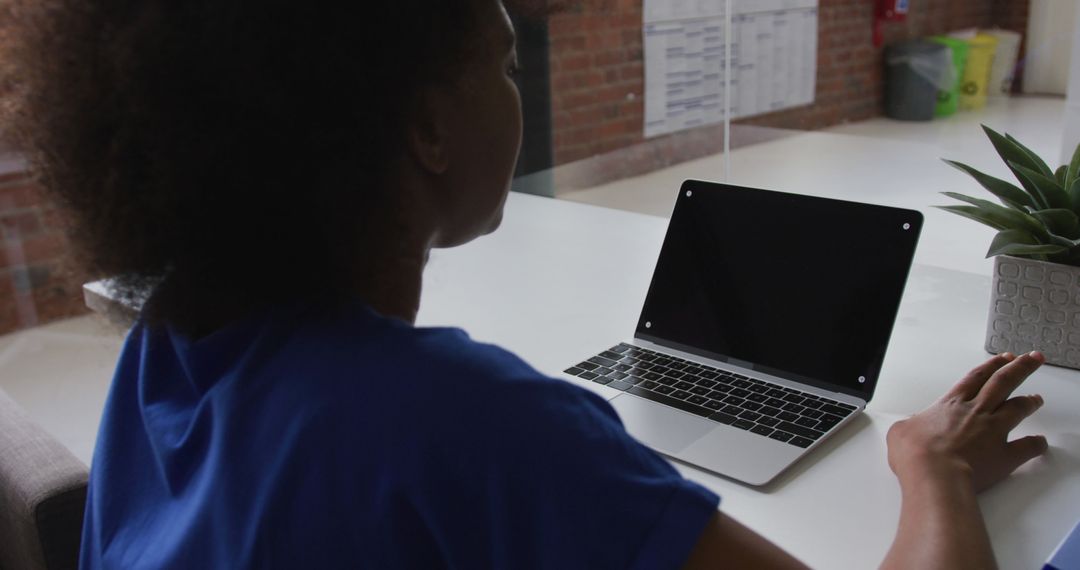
point(948, 100)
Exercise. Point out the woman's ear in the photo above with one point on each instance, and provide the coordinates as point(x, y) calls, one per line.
point(429, 132)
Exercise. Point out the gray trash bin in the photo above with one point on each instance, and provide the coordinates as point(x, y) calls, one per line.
point(914, 73)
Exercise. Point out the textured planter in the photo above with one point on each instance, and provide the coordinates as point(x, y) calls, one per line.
point(1035, 305)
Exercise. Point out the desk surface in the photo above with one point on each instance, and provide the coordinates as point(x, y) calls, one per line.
point(560, 281)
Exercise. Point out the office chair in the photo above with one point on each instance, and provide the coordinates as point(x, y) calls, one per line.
point(42, 495)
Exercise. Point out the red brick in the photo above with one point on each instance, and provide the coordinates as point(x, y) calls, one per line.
point(19, 224)
point(20, 195)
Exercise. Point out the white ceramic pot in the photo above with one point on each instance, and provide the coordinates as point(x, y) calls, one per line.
point(1035, 305)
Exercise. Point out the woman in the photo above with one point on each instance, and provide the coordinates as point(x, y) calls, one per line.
point(268, 179)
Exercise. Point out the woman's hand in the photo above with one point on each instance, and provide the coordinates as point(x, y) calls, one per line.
point(967, 429)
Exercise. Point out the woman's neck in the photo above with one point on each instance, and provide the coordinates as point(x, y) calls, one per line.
point(393, 286)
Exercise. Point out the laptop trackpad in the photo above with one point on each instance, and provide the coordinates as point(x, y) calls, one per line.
point(658, 426)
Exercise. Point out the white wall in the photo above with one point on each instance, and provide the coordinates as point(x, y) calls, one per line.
point(1051, 27)
point(1072, 105)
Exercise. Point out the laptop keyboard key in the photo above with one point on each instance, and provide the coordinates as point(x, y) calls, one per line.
point(713, 405)
point(600, 360)
point(700, 390)
point(722, 418)
point(776, 393)
point(793, 408)
point(669, 401)
point(781, 436)
point(769, 411)
point(667, 380)
point(751, 416)
point(588, 365)
point(665, 389)
point(742, 424)
point(752, 406)
point(812, 414)
point(697, 400)
point(603, 371)
point(680, 394)
point(683, 385)
point(758, 388)
point(762, 430)
point(799, 430)
point(787, 416)
point(588, 375)
point(574, 370)
point(814, 404)
point(800, 442)
point(760, 398)
point(835, 410)
point(740, 393)
point(733, 410)
point(807, 422)
point(652, 376)
point(621, 348)
point(775, 403)
point(734, 401)
point(793, 398)
point(611, 355)
point(767, 421)
point(706, 383)
point(827, 422)
point(649, 385)
point(619, 385)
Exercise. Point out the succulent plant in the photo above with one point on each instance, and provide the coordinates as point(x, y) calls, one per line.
point(1040, 219)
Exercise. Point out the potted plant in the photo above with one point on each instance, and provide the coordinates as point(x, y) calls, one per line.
point(1035, 299)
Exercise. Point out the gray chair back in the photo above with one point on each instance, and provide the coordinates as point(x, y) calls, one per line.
point(42, 495)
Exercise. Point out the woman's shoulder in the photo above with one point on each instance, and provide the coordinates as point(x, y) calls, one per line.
point(364, 354)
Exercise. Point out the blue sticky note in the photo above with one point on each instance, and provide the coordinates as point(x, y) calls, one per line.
point(1067, 554)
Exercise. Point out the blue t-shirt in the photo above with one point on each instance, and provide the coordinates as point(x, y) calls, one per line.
point(359, 441)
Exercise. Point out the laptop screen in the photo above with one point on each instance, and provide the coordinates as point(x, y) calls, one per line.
point(799, 287)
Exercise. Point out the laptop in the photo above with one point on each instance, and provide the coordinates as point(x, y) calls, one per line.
point(764, 329)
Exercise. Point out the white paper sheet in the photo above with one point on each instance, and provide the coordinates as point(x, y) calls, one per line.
point(774, 63)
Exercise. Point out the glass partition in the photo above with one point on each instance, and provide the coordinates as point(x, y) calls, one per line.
point(850, 101)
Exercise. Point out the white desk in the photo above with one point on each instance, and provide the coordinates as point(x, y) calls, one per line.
point(560, 281)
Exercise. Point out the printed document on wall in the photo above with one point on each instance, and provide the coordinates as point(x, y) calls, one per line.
point(773, 66)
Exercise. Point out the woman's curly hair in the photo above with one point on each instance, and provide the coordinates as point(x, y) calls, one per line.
point(218, 156)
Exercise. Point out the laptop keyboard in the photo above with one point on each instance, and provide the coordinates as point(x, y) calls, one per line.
point(766, 409)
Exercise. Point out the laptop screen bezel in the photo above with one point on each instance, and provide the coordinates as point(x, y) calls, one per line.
point(867, 392)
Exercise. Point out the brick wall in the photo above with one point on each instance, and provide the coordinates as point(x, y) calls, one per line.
point(597, 73)
point(37, 282)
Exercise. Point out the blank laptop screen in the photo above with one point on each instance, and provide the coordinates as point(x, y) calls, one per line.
point(799, 287)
